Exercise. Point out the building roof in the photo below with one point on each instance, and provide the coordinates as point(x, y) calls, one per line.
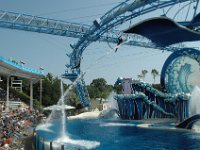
point(10, 68)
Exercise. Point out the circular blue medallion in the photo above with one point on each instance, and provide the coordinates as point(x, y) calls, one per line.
point(181, 71)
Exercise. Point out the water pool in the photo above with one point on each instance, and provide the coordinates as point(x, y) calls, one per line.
point(119, 135)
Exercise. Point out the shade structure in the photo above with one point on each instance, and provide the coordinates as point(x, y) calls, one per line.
point(10, 68)
point(164, 31)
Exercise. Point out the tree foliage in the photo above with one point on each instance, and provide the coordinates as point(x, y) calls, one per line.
point(51, 91)
point(72, 98)
point(118, 89)
point(99, 88)
point(154, 73)
point(143, 74)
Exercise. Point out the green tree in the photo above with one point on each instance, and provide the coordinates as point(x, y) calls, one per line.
point(144, 72)
point(154, 73)
point(72, 98)
point(118, 89)
point(99, 88)
point(140, 76)
point(51, 90)
point(49, 77)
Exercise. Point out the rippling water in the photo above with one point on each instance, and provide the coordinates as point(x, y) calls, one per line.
point(120, 135)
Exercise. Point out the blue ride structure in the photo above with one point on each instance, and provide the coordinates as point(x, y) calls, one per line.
point(120, 14)
point(145, 102)
point(103, 29)
point(179, 76)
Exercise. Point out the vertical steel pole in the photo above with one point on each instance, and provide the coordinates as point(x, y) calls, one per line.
point(195, 11)
point(62, 147)
point(41, 91)
point(7, 95)
point(31, 94)
point(51, 145)
point(43, 144)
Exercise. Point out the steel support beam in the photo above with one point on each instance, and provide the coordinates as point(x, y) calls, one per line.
point(41, 92)
point(31, 95)
point(8, 94)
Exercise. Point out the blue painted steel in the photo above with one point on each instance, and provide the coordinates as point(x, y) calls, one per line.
point(37, 24)
point(83, 93)
point(41, 25)
point(118, 15)
point(164, 31)
point(180, 84)
point(21, 67)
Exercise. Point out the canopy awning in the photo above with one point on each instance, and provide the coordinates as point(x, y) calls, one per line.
point(10, 68)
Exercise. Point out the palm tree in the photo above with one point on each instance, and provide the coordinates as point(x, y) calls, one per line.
point(144, 72)
point(154, 73)
point(139, 76)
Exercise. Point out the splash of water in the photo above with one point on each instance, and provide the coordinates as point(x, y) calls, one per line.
point(111, 110)
point(76, 144)
point(61, 100)
point(195, 101)
point(195, 106)
point(63, 131)
point(112, 103)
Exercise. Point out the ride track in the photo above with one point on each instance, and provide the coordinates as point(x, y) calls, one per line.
point(100, 30)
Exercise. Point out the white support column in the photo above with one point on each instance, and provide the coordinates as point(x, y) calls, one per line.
point(41, 91)
point(31, 94)
point(7, 95)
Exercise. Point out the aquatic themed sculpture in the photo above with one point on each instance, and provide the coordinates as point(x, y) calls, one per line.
point(146, 102)
point(180, 71)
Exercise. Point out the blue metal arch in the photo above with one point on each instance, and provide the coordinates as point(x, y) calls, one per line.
point(116, 16)
point(168, 67)
point(111, 19)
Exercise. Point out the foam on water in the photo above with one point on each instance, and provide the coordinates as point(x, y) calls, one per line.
point(144, 125)
point(45, 127)
point(76, 144)
point(117, 124)
point(196, 127)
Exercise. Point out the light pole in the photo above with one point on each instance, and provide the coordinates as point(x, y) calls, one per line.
point(7, 95)
point(41, 91)
point(41, 68)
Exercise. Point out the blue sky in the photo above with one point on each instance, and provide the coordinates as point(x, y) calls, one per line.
point(48, 51)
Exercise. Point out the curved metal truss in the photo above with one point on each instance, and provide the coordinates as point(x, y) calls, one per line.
point(179, 73)
point(102, 30)
point(118, 15)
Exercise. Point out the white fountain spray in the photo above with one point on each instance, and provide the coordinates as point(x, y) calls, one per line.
point(64, 138)
point(63, 131)
point(195, 106)
point(61, 100)
point(112, 102)
point(195, 101)
point(112, 110)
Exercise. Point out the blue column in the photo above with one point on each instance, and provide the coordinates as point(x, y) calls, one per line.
point(130, 109)
point(147, 111)
point(139, 103)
